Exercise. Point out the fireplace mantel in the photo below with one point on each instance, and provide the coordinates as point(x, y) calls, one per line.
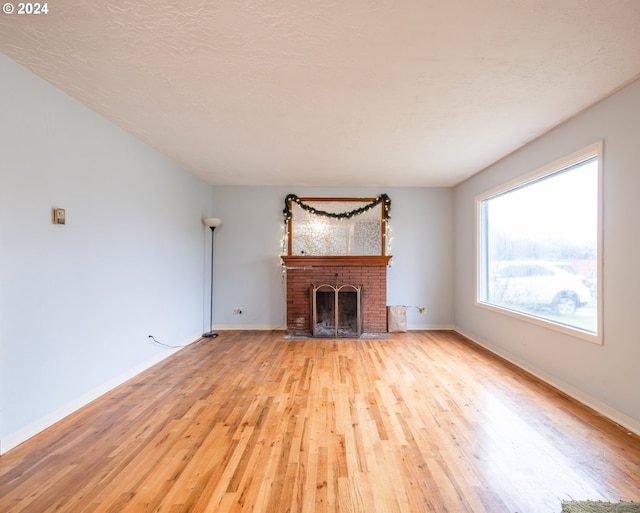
point(336, 261)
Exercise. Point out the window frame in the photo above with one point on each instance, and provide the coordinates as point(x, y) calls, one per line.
point(593, 150)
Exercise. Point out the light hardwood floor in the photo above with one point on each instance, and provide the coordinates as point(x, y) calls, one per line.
point(251, 421)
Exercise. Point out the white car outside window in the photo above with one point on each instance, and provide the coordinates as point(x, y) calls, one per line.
point(537, 284)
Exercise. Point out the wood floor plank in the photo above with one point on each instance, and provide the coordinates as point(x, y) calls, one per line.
point(252, 421)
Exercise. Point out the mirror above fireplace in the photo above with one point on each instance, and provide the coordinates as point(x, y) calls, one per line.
point(336, 226)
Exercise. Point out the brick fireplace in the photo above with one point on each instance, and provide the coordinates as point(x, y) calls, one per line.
point(305, 272)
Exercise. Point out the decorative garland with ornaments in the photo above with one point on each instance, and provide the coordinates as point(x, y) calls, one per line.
point(383, 198)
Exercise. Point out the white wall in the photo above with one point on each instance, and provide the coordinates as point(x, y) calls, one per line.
point(248, 244)
point(606, 377)
point(77, 302)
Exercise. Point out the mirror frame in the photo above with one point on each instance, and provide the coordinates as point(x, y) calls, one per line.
point(384, 204)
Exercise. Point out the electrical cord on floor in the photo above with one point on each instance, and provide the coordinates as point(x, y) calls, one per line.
point(151, 337)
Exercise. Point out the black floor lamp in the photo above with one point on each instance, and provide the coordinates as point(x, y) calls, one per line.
point(211, 222)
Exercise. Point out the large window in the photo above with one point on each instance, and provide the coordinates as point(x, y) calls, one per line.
point(539, 246)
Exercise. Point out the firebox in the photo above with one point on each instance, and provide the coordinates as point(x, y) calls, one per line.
point(336, 311)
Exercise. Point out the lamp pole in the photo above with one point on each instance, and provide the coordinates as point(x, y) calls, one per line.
point(212, 223)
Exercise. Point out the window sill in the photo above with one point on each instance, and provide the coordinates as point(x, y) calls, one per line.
point(594, 338)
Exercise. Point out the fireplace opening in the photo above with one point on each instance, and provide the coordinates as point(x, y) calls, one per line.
point(336, 311)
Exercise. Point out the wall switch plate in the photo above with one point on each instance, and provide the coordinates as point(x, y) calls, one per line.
point(59, 216)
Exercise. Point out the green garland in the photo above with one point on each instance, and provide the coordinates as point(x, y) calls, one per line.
point(383, 198)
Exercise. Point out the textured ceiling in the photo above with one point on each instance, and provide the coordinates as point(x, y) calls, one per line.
point(358, 92)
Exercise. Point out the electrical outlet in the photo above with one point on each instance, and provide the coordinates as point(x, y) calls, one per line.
point(237, 310)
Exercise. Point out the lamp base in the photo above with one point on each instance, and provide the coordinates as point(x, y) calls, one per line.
point(210, 334)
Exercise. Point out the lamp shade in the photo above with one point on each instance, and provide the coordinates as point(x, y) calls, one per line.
point(212, 222)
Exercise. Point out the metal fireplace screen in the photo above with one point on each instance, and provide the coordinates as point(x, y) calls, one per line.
point(336, 311)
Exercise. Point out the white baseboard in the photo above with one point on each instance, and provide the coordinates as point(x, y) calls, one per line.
point(600, 407)
point(249, 327)
point(280, 327)
point(422, 327)
point(14, 439)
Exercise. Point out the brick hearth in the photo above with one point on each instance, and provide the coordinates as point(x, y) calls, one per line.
point(368, 271)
